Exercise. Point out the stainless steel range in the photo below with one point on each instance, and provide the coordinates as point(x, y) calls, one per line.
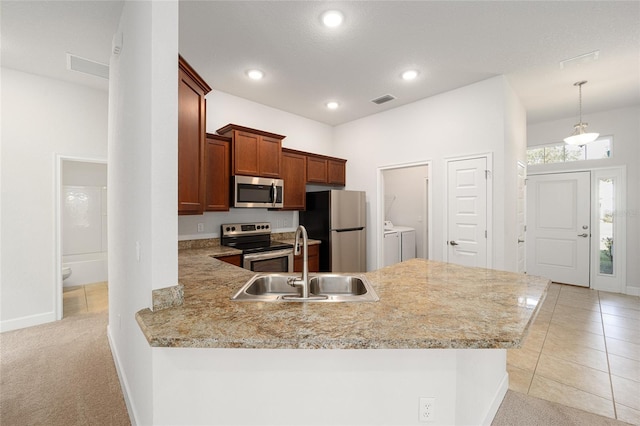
point(259, 252)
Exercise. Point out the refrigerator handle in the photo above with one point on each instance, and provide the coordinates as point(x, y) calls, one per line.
point(349, 229)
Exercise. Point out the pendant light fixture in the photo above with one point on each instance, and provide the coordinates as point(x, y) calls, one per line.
point(579, 137)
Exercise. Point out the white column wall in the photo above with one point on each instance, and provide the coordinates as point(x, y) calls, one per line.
point(41, 118)
point(143, 187)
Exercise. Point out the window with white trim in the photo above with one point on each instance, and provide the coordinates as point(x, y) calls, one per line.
point(563, 153)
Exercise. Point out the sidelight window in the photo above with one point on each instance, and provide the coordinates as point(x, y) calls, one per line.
point(606, 225)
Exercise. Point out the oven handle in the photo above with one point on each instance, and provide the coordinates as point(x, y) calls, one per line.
point(268, 254)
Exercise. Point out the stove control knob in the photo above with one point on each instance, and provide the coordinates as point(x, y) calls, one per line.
point(233, 228)
point(228, 229)
point(266, 226)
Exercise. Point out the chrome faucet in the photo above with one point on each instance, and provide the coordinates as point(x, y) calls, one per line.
point(304, 280)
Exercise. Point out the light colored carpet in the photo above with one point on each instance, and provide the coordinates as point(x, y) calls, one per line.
point(523, 410)
point(62, 373)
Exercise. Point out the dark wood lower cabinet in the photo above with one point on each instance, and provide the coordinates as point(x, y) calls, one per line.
point(234, 259)
point(313, 258)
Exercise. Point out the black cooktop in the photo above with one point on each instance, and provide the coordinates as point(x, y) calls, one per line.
point(250, 237)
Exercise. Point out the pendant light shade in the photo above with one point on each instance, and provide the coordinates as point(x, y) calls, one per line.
point(579, 136)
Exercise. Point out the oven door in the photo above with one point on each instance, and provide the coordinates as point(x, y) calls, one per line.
point(269, 261)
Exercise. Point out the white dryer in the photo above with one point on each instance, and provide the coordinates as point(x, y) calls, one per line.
point(407, 237)
point(391, 247)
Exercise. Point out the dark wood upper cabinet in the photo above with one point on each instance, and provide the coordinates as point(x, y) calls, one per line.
point(326, 170)
point(191, 135)
point(217, 172)
point(254, 152)
point(294, 170)
point(316, 169)
point(336, 172)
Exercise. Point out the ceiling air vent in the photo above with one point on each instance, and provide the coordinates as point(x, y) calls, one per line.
point(382, 99)
point(76, 63)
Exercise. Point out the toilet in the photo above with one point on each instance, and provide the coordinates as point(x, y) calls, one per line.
point(66, 272)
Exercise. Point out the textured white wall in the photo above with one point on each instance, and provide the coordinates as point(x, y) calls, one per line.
point(623, 125)
point(41, 117)
point(326, 387)
point(466, 121)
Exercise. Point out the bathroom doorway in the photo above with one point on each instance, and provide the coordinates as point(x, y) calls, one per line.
point(81, 237)
point(404, 194)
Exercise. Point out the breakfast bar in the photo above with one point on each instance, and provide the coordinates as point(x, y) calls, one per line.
point(438, 331)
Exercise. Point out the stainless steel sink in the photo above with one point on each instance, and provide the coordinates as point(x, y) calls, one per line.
point(322, 288)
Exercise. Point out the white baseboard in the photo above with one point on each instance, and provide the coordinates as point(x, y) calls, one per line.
point(28, 321)
point(633, 291)
point(497, 400)
point(123, 381)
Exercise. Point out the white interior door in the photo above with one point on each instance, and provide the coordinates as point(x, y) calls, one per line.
point(467, 212)
point(558, 234)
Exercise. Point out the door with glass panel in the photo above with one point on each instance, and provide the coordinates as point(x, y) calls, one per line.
point(558, 230)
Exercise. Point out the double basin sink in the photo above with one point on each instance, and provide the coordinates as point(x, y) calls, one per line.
point(322, 288)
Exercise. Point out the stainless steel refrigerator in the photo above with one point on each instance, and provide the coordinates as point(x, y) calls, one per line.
point(337, 218)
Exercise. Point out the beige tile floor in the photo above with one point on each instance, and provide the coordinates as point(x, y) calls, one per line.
point(583, 350)
point(83, 299)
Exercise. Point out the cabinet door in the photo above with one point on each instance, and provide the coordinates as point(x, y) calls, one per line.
point(294, 167)
point(217, 172)
point(316, 170)
point(191, 116)
point(336, 171)
point(269, 154)
point(246, 154)
point(234, 259)
point(313, 258)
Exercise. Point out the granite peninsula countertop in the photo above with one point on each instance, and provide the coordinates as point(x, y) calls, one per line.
point(423, 304)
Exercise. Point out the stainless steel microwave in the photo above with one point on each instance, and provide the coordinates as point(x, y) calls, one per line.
point(251, 191)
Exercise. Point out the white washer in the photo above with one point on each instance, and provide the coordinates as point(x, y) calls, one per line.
point(391, 247)
point(407, 242)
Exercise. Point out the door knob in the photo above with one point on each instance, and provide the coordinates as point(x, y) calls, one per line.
point(585, 235)
point(520, 241)
point(453, 243)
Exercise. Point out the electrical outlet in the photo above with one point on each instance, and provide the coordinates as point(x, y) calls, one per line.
point(201, 227)
point(427, 409)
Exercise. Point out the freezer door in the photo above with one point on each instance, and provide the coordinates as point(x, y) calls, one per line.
point(347, 209)
point(348, 251)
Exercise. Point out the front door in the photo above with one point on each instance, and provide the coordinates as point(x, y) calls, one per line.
point(558, 234)
point(467, 212)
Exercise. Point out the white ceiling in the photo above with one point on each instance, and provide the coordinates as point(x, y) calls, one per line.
point(452, 43)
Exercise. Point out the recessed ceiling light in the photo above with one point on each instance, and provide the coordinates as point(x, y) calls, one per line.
point(255, 74)
point(332, 18)
point(409, 75)
point(332, 105)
